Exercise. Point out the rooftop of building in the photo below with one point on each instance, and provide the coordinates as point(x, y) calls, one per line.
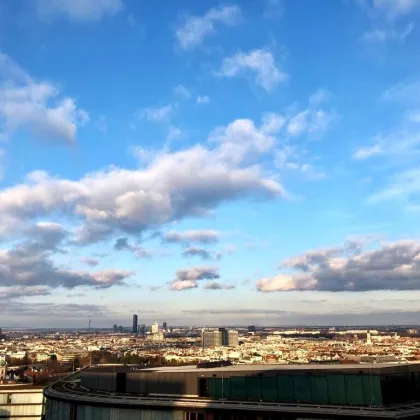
point(415, 366)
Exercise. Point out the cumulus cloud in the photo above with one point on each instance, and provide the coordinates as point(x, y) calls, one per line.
point(36, 107)
point(26, 265)
point(79, 10)
point(259, 63)
point(197, 273)
point(45, 236)
point(391, 266)
point(192, 236)
point(131, 201)
point(178, 285)
point(196, 252)
point(196, 28)
point(241, 140)
point(187, 278)
point(138, 251)
point(214, 285)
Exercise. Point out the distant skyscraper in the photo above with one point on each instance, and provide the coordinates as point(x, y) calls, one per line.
point(219, 337)
point(164, 326)
point(233, 339)
point(135, 322)
point(142, 329)
point(155, 328)
point(120, 329)
point(251, 328)
point(211, 338)
point(115, 328)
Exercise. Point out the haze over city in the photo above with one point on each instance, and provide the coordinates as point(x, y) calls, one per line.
point(209, 163)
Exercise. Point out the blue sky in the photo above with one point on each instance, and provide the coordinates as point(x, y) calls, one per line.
point(248, 162)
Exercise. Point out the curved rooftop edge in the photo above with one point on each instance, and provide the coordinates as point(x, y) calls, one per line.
point(72, 390)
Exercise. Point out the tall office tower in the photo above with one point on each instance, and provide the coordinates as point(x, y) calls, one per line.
point(115, 328)
point(251, 328)
point(233, 338)
point(155, 328)
point(164, 326)
point(224, 336)
point(120, 329)
point(210, 338)
point(135, 320)
point(219, 337)
point(142, 329)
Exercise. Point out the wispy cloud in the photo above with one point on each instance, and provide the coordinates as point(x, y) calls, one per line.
point(203, 99)
point(259, 63)
point(196, 28)
point(382, 35)
point(79, 10)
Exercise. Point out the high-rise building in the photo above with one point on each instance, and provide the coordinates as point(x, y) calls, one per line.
point(155, 328)
point(251, 328)
point(135, 326)
point(115, 328)
point(233, 338)
point(210, 338)
point(142, 329)
point(120, 329)
point(219, 337)
point(164, 326)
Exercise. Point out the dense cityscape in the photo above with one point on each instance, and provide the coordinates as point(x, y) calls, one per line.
point(209, 209)
point(166, 345)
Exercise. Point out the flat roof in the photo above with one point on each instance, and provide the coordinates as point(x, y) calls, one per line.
point(252, 367)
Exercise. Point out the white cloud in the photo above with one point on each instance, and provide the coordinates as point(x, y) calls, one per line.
point(382, 35)
point(319, 97)
point(79, 10)
point(414, 116)
point(203, 99)
point(395, 8)
point(173, 133)
point(298, 124)
point(310, 121)
point(122, 200)
point(272, 123)
point(36, 107)
point(367, 152)
point(241, 139)
point(403, 187)
point(157, 114)
point(101, 124)
point(259, 62)
point(405, 92)
point(274, 9)
point(390, 266)
point(183, 285)
point(182, 92)
point(196, 28)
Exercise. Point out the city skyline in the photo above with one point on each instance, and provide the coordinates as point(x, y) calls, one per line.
point(227, 162)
